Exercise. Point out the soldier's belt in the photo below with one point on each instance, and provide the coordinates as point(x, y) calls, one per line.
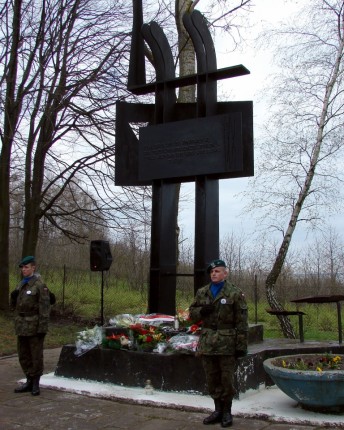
point(219, 327)
point(27, 314)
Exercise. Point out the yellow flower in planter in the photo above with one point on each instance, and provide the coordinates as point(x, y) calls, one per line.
point(316, 362)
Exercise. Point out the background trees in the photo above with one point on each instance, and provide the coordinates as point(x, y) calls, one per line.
point(298, 170)
point(63, 66)
point(62, 63)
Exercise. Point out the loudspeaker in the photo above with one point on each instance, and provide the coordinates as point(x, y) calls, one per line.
point(100, 255)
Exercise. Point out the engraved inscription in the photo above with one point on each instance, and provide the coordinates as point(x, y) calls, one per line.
point(187, 148)
point(175, 150)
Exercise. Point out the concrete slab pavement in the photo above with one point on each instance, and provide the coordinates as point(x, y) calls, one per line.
point(70, 404)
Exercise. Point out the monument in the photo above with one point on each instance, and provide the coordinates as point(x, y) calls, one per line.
point(202, 142)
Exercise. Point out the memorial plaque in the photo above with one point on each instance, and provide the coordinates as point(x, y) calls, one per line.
point(185, 149)
point(128, 144)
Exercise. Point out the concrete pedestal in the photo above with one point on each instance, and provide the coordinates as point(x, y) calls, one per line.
point(168, 372)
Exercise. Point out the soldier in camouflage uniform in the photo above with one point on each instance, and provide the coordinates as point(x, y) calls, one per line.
point(222, 308)
point(31, 303)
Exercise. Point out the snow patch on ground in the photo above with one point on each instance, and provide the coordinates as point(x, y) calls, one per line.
point(267, 403)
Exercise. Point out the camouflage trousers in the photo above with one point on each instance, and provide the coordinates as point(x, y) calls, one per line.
point(30, 353)
point(219, 373)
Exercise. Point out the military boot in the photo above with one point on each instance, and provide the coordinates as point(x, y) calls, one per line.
point(227, 419)
point(26, 387)
point(216, 416)
point(35, 386)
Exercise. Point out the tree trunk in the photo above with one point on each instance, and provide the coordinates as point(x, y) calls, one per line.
point(5, 157)
point(284, 321)
point(280, 259)
point(11, 111)
point(186, 51)
point(186, 67)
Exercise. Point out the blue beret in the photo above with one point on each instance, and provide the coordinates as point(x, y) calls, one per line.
point(27, 260)
point(215, 263)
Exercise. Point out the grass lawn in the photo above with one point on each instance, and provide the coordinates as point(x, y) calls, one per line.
point(62, 331)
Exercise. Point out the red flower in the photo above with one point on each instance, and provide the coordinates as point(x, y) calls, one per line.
point(139, 329)
point(135, 327)
point(194, 328)
point(116, 336)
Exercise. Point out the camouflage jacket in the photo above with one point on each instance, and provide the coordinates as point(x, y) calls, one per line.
point(225, 330)
point(31, 302)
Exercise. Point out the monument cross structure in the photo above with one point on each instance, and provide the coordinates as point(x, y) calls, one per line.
point(201, 142)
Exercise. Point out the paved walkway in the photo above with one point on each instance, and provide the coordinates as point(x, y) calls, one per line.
point(55, 409)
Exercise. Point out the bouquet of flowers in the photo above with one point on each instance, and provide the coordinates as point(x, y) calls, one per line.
point(88, 339)
point(146, 338)
point(117, 341)
point(123, 320)
point(183, 343)
point(186, 323)
point(153, 332)
point(184, 318)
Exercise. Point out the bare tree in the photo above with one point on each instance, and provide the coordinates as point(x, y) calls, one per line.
point(62, 63)
point(322, 263)
point(300, 155)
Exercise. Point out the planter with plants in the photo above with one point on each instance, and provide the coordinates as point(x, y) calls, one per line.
point(316, 381)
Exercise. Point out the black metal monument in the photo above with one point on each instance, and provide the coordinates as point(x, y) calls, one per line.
point(201, 142)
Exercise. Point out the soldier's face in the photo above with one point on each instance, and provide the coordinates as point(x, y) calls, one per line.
point(218, 274)
point(28, 270)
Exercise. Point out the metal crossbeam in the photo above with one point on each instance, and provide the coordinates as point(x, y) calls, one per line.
point(184, 81)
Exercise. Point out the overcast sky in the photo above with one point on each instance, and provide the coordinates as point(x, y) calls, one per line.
point(260, 63)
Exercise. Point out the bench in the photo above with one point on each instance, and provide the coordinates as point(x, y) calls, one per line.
point(300, 314)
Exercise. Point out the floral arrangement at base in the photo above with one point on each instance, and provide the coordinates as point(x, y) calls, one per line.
point(149, 333)
point(146, 338)
point(183, 316)
point(186, 323)
point(312, 362)
point(88, 339)
point(117, 341)
point(182, 343)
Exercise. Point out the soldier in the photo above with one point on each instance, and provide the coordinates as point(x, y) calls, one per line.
point(222, 308)
point(31, 302)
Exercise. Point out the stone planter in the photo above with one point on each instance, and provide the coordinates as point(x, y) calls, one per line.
point(315, 390)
